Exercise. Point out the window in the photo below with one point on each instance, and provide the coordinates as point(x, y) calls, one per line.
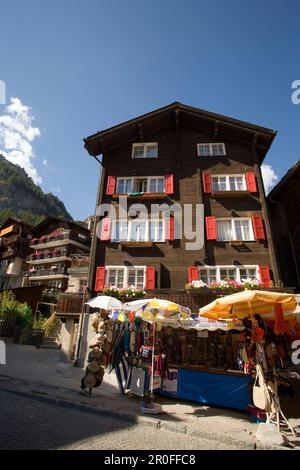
point(219, 183)
point(123, 277)
point(146, 150)
point(234, 229)
point(236, 183)
point(141, 185)
point(248, 273)
point(209, 274)
point(115, 277)
point(208, 150)
point(136, 278)
point(124, 185)
point(138, 230)
point(156, 231)
point(156, 185)
point(119, 231)
point(243, 229)
point(228, 183)
point(228, 273)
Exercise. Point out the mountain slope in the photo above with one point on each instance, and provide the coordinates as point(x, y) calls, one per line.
point(22, 198)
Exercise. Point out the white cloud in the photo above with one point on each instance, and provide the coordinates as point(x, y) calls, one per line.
point(45, 163)
point(269, 177)
point(56, 190)
point(16, 135)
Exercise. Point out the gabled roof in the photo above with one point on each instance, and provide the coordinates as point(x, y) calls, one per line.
point(50, 219)
point(14, 220)
point(177, 114)
point(293, 171)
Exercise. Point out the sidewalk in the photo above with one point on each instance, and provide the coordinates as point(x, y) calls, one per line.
point(40, 373)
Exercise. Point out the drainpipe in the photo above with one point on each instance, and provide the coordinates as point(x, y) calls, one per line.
point(290, 238)
point(89, 288)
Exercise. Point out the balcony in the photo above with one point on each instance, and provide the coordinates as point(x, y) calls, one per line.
point(140, 195)
point(48, 256)
point(230, 194)
point(49, 241)
point(136, 244)
point(48, 273)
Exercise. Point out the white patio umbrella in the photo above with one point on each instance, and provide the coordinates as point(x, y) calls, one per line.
point(105, 302)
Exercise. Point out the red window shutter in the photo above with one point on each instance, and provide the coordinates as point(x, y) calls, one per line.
point(264, 273)
point(193, 274)
point(150, 278)
point(169, 184)
point(111, 185)
point(105, 229)
point(170, 228)
point(211, 228)
point(251, 182)
point(100, 278)
point(258, 227)
point(206, 179)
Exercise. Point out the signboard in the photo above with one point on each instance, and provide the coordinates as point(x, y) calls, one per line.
point(203, 323)
point(170, 385)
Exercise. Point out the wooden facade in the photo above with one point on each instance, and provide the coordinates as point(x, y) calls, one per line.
point(284, 207)
point(15, 237)
point(178, 129)
point(52, 249)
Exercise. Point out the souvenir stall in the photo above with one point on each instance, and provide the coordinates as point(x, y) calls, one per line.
point(271, 325)
point(205, 362)
point(199, 360)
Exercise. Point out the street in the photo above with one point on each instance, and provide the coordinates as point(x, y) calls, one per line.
point(31, 424)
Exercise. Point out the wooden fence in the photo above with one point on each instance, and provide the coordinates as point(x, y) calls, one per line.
point(7, 324)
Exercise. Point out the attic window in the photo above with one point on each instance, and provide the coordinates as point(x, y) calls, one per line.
point(211, 149)
point(146, 150)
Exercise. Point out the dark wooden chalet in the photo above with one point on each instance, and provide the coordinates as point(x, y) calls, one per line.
point(184, 155)
point(52, 249)
point(284, 207)
point(15, 238)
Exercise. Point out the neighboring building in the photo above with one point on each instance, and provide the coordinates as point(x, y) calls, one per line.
point(183, 155)
point(52, 251)
point(284, 206)
point(15, 237)
point(78, 273)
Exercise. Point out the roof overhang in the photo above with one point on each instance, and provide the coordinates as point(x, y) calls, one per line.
point(178, 114)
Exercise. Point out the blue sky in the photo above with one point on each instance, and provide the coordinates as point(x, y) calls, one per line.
point(82, 66)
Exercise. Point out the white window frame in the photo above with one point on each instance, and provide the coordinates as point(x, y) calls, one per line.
point(227, 182)
point(233, 229)
point(211, 151)
point(148, 178)
point(125, 272)
point(144, 146)
point(123, 178)
point(147, 230)
point(236, 268)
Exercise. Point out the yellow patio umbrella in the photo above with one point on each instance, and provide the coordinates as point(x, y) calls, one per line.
point(248, 303)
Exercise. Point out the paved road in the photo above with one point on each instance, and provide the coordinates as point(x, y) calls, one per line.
point(30, 424)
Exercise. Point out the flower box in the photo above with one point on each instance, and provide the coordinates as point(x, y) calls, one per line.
point(226, 286)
